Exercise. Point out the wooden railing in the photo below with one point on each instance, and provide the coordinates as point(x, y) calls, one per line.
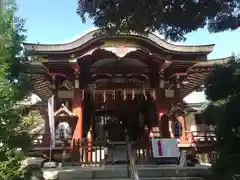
point(96, 153)
point(133, 169)
point(100, 153)
point(89, 153)
point(143, 152)
point(42, 140)
point(201, 138)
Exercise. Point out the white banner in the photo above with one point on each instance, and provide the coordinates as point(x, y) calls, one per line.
point(165, 148)
point(51, 121)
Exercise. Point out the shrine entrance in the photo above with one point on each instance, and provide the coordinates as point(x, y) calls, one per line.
point(105, 125)
point(116, 86)
point(123, 120)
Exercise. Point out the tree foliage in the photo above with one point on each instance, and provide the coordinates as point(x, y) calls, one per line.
point(173, 19)
point(13, 89)
point(223, 90)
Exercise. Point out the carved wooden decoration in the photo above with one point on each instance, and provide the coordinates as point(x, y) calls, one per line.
point(120, 51)
point(64, 111)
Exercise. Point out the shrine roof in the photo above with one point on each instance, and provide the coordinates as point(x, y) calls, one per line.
point(40, 78)
point(93, 37)
point(196, 107)
point(211, 62)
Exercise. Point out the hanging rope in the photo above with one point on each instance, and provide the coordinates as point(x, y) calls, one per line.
point(124, 95)
point(104, 96)
point(154, 94)
point(114, 94)
point(83, 94)
point(94, 94)
point(144, 94)
point(133, 93)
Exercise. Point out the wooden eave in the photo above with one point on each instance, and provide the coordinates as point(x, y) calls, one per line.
point(42, 87)
point(59, 67)
point(39, 104)
point(97, 54)
point(91, 38)
point(197, 74)
point(195, 107)
point(194, 80)
point(211, 62)
point(40, 81)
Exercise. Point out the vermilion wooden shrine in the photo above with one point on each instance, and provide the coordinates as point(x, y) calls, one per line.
point(115, 85)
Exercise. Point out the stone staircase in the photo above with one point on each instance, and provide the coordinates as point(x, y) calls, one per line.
point(167, 172)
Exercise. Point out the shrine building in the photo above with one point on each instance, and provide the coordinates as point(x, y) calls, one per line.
point(118, 85)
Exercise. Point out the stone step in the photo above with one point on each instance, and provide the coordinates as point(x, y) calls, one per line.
point(121, 172)
point(173, 172)
point(157, 178)
point(173, 178)
point(104, 179)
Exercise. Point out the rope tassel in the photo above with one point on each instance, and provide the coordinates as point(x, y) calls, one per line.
point(133, 93)
point(124, 95)
point(144, 94)
point(82, 94)
point(114, 94)
point(104, 96)
point(154, 95)
point(94, 94)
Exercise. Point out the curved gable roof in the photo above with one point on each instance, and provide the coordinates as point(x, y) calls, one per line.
point(91, 37)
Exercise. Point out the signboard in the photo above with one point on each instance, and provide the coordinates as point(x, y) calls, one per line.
point(165, 148)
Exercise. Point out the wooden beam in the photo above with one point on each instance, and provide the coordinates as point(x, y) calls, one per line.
point(127, 91)
point(74, 63)
point(119, 85)
point(156, 59)
point(165, 65)
point(199, 70)
point(119, 70)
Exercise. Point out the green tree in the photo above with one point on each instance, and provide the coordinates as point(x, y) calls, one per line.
point(13, 89)
point(223, 90)
point(173, 19)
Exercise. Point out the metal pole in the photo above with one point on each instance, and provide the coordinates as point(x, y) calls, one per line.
point(50, 152)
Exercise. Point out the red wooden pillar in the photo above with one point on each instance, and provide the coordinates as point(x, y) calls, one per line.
point(77, 109)
point(89, 144)
point(178, 101)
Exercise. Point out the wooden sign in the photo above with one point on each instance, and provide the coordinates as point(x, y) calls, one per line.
point(165, 148)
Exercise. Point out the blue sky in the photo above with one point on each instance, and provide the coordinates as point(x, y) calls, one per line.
point(56, 21)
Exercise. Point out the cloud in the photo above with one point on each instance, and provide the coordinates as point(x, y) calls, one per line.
point(79, 35)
